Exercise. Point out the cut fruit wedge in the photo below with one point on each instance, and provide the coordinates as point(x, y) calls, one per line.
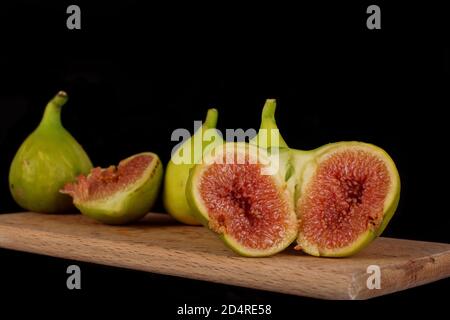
point(118, 195)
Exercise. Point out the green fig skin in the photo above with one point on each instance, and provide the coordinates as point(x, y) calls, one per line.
point(47, 159)
point(130, 205)
point(176, 176)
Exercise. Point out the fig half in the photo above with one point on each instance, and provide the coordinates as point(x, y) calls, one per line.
point(118, 195)
point(346, 193)
point(236, 194)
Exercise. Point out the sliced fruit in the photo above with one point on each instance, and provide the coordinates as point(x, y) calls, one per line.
point(346, 194)
point(177, 171)
point(45, 161)
point(253, 212)
point(118, 195)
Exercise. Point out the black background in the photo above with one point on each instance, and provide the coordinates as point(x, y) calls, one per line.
point(135, 73)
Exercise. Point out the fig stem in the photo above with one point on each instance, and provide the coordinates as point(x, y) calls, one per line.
point(268, 123)
point(52, 113)
point(269, 109)
point(211, 118)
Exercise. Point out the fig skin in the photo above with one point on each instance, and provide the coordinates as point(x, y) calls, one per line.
point(306, 163)
point(46, 160)
point(176, 175)
point(129, 205)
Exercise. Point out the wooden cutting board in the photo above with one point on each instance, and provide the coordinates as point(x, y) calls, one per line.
point(160, 245)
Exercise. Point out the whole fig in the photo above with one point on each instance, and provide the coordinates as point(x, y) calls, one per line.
point(46, 160)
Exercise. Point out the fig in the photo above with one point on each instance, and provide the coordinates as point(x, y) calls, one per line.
point(245, 194)
point(46, 160)
point(118, 195)
point(346, 193)
point(182, 160)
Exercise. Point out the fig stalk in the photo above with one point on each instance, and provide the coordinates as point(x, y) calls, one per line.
point(52, 112)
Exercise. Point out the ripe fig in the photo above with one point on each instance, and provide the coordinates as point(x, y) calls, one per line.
point(118, 195)
point(244, 192)
point(183, 159)
point(45, 161)
point(346, 193)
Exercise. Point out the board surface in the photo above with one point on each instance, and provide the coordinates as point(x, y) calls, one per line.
point(160, 245)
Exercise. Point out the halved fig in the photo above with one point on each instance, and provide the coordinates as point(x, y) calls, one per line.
point(346, 194)
point(240, 192)
point(118, 195)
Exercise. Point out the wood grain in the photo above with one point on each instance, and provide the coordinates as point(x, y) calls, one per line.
point(158, 244)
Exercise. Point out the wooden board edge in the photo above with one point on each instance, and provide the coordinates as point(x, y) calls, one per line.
point(399, 277)
point(100, 252)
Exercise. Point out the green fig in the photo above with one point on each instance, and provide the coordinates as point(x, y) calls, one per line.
point(45, 161)
point(118, 195)
point(181, 162)
point(244, 192)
